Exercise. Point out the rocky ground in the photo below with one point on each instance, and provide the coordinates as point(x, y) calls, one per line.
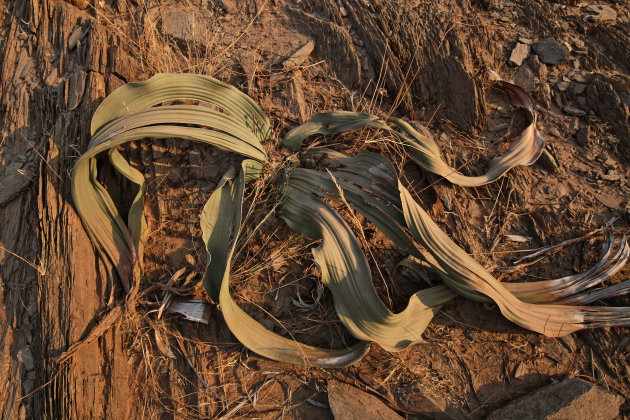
point(426, 61)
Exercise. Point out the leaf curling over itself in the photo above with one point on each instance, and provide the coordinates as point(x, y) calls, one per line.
point(524, 151)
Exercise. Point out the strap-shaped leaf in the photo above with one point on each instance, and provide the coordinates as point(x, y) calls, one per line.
point(465, 274)
point(520, 302)
point(574, 288)
point(136, 221)
point(220, 222)
point(128, 114)
point(423, 150)
point(375, 177)
point(368, 183)
point(346, 273)
point(236, 136)
point(137, 96)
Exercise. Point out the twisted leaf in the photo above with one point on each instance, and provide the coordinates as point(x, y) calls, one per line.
point(220, 222)
point(421, 147)
point(129, 114)
point(346, 273)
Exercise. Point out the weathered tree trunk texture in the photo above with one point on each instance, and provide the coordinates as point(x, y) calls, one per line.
point(54, 73)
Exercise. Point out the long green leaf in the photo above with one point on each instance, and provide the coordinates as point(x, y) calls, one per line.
point(466, 274)
point(520, 302)
point(135, 220)
point(423, 149)
point(367, 181)
point(220, 222)
point(129, 114)
point(346, 273)
point(137, 96)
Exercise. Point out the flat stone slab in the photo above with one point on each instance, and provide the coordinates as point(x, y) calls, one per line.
point(184, 24)
point(350, 403)
point(550, 51)
point(601, 12)
point(519, 54)
point(576, 112)
point(299, 56)
point(570, 399)
point(525, 78)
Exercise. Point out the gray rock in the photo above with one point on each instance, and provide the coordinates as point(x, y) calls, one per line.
point(570, 399)
point(349, 403)
point(550, 51)
point(576, 112)
point(25, 356)
point(525, 78)
point(607, 102)
point(24, 64)
point(554, 132)
point(547, 161)
point(579, 88)
point(558, 100)
point(562, 86)
point(74, 37)
point(188, 25)
point(14, 181)
point(577, 42)
point(299, 56)
point(53, 77)
point(580, 77)
point(537, 66)
point(27, 386)
point(601, 13)
point(296, 103)
point(581, 102)
point(521, 369)
point(519, 54)
point(75, 88)
point(545, 94)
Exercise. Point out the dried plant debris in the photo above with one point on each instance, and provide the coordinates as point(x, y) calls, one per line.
point(366, 183)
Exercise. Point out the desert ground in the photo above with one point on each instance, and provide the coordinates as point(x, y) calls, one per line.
point(425, 61)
